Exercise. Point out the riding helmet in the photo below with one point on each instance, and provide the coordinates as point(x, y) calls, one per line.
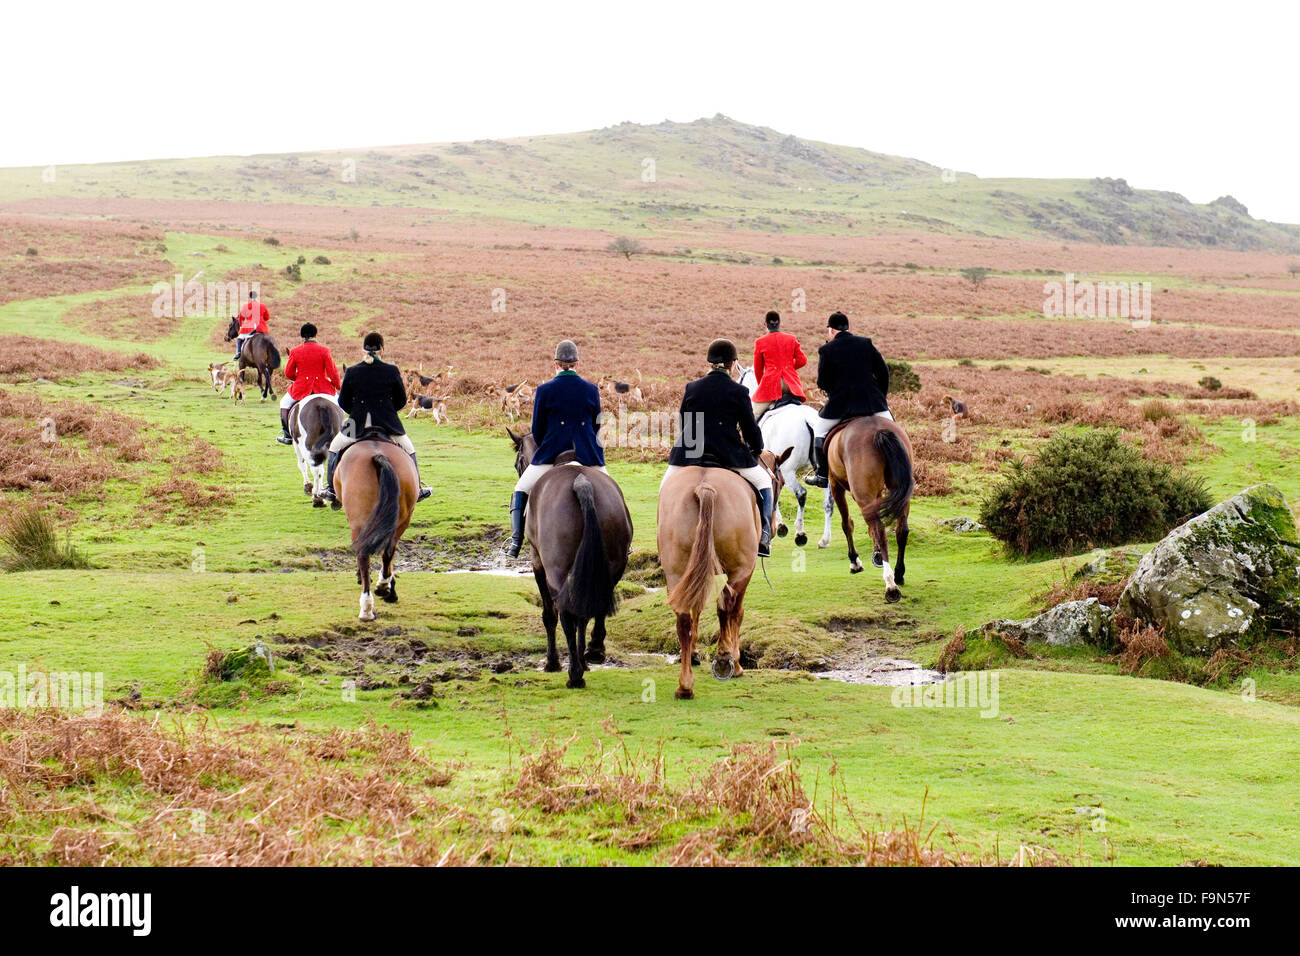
point(838, 320)
point(566, 352)
point(722, 352)
point(308, 331)
point(773, 320)
point(373, 342)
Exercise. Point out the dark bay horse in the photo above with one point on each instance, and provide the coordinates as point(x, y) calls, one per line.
point(709, 525)
point(260, 353)
point(313, 423)
point(377, 483)
point(580, 531)
point(871, 459)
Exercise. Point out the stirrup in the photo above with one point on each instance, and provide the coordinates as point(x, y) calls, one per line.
point(424, 493)
point(511, 548)
point(817, 481)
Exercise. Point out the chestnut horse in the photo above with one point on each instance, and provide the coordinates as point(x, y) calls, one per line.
point(580, 531)
point(871, 457)
point(709, 524)
point(377, 483)
point(259, 353)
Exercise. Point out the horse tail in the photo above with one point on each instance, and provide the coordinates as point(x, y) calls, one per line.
point(325, 435)
point(692, 591)
point(381, 526)
point(898, 468)
point(272, 355)
point(588, 591)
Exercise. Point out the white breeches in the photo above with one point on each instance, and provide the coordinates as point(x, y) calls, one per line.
point(533, 472)
point(288, 401)
point(342, 440)
point(823, 426)
point(756, 476)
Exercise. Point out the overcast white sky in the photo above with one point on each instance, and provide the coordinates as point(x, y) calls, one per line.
point(1197, 98)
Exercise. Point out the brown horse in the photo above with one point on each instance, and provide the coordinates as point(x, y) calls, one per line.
point(580, 531)
point(871, 459)
point(708, 525)
point(377, 483)
point(260, 353)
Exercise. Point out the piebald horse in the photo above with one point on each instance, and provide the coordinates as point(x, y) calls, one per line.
point(260, 353)
point(790, 426)
point(708, 525)
point(580, 531)
point(870, 458)
point(313, 423)
point(377, 484)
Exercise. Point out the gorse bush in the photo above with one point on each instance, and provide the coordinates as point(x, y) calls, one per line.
point(1088, 489)
point(902, 378)
point(32, 544)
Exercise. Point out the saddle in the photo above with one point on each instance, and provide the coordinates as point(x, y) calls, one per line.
point(786, 399)
point(368, 434)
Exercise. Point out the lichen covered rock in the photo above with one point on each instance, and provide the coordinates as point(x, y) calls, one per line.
point(1066, 625)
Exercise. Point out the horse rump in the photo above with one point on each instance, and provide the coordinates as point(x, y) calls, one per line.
point(898, 473)
point(381, 527)
point(324, 435)
point(588, 592)
point(696, 584)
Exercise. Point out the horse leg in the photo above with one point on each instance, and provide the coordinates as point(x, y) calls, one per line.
point(576, 666)
point(367, 599)
point(548, 621)
point(304, 466)
point(778, 520)
point(387, 588)
point(801, 500)
point(595, 653)
point(828, 507)
point(686, 638)
point(881, 542)
point(582, 642)
point(846, 522)
point(900, 535)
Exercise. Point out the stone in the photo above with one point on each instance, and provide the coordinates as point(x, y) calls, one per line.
point(1226, 578)
point(1070, 624)
point(961, 525)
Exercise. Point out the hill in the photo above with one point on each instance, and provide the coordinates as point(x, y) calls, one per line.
point(680, 176)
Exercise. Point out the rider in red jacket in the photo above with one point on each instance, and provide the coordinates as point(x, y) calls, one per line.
point(312, 371)
point(252, 318)
point(777, 356)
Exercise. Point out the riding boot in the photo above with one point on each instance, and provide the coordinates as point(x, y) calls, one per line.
point(818, 478)
point(424, 492)
point(285, 438)
point(765, 510)
point(518, 502)
point(328, 493)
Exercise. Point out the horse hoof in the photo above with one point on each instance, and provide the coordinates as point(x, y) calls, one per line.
point(390, 597)
point(578, 684)
point(878, 560)
point(800, 540)
point(551, 667)
point(306, 488)
point(893, 596)
point(318, 502)
point(724, 668)
point(822, 543)
point(683, 693)
point(855, 569)
point(366, 616)
point(782, 531)
point(594, 657)
point(695, 659)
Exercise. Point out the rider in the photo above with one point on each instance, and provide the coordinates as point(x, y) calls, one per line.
point(730, 436)
point(777, 356)
point(312, 370)
point(854, 376)
point(566, 415)
point(252, 318)
point(371, 393)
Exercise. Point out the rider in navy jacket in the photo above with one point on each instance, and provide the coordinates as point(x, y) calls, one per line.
point(566, 415)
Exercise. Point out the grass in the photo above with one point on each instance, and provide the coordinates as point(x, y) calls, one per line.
point(453, 665)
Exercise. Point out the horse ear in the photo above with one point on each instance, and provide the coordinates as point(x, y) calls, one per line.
point(784, 455)
point(513, 437)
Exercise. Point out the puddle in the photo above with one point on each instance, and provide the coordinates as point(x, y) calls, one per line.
point(885, 672)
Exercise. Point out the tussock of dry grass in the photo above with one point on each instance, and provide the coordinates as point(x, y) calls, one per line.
point(1141, 643)
point(23, 358)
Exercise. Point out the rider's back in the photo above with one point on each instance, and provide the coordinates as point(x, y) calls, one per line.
point(372, 393)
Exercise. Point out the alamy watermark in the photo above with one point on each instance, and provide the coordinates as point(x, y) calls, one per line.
point(1073, 299)
point(190, 298)
point(68, 690)
point(976, 690)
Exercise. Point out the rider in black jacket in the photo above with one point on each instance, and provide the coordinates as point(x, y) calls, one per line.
point(854, 376)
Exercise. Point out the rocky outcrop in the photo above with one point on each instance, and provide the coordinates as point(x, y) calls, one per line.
point(1226, 578)
point(1066, 625)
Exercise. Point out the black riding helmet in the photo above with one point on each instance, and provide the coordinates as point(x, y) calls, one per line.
point(373, 342)
point(838, 320)
point(308, 331)
point(773, 320)
point(721, 353)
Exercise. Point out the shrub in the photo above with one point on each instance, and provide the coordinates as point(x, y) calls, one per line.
point(31, 251)
point(321, 261)
point(901, 378)
point(626, 246)
point(1210, 383)
point(294, 271)
point(1088, 489)
point(271, 241)
point(33, 544)
point(975, 275)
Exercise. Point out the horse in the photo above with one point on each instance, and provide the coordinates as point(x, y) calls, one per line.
point(260, 353)
point(313, 423)
point(580, 532)
point(789, 426)
point(709, 524)
point(377, 484)
point(870, 457)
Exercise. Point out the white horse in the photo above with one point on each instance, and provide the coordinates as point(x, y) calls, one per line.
point(313, 423)
point(790, 426)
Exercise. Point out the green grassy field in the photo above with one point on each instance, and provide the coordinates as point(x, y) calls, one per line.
point(1182, 773)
